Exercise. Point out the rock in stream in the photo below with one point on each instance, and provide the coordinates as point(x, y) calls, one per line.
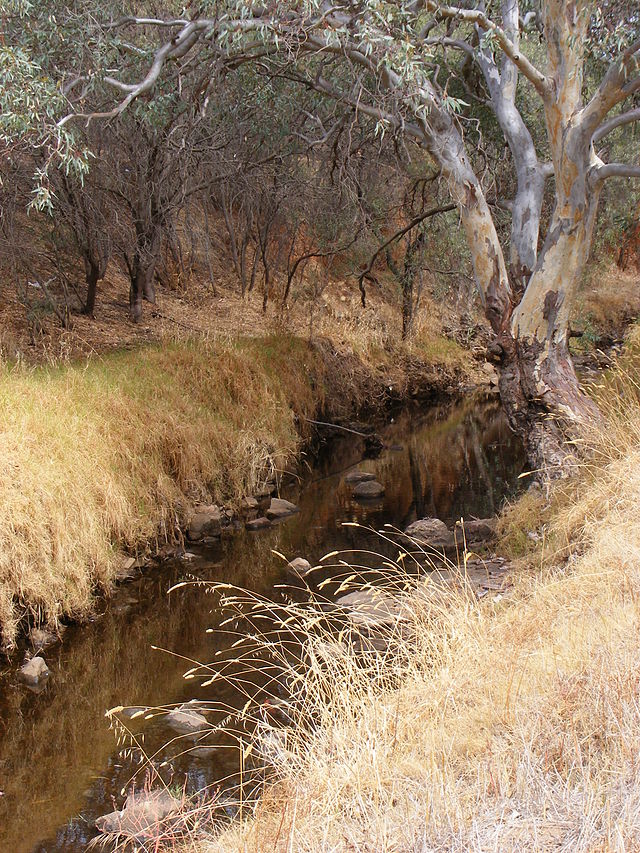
point(142, 813)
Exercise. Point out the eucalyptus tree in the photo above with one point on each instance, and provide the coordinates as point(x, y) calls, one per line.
point(385, 60)
point(85, 218)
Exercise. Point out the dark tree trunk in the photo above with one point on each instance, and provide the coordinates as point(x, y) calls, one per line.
point(92, 277)
point(142, 287)
point(544, 403)
point(412, 262)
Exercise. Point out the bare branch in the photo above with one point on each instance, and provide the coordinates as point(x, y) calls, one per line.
point(366, 273)
point(615, 170)
point(616, 121)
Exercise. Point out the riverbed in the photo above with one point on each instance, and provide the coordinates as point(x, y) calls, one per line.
point(61, 765)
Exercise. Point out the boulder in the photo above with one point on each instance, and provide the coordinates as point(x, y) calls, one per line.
point(34, 671)
point(431, 532)
point(205, 522)
point(142, 812)
point(264, 492)
point(476, 531)
point(186, 720)
point(280, 508)
point(368, 490)
point(358, 476)
point(258, 523)
point(249, 505)
point(299, 567)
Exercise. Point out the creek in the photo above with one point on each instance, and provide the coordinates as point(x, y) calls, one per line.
point(61, 765)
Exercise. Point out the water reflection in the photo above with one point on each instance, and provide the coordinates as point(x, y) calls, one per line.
point(60, 765)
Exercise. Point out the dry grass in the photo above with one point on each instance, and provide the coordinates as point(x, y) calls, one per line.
point(607, 302)
point(109, 453)
point(510, 725)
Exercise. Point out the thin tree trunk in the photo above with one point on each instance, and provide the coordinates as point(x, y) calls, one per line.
point(412, 262)
point(141, 288)
point(92, 278)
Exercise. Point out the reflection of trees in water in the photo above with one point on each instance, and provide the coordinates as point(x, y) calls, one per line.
point(466, 466)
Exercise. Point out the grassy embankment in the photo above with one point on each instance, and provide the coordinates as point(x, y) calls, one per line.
point(108, 453)
point(510, 723)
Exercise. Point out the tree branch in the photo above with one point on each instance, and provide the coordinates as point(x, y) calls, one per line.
point(173, 49)
point(457, 44)
point(620, 81)
point(616, 121)
point(153, 22)
point(538, 80)
point(366, 273)
point(615, 170)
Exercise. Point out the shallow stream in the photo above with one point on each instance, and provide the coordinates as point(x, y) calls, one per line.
point(60, 763)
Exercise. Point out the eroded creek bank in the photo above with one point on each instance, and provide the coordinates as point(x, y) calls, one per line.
point(61, 765)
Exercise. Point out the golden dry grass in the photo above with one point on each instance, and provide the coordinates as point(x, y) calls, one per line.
point(109, 453)
point(509, 724)
point(608, 300)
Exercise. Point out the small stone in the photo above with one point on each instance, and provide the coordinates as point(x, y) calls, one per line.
point(249, 504)
point(186, 720)
point(358, 476)
point(34, 670)
point(141, 813)
point(206, 521)
point(489, 374)
point(430, 531)
point(258, 523)
point(368, 490)
point(127, 570)
point(280, 508)
point(133, 711)
point(299, 567)
point(265, 492)
point(170, 552)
